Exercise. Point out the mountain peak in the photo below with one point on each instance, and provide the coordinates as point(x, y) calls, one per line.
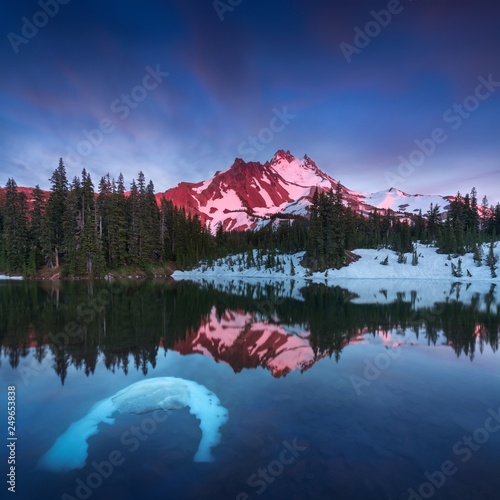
point(308, 163)
point(238, 162)
point(281, 154)
point(398, 192)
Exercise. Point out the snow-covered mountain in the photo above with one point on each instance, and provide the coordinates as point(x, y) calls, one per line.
point(247, 195)
point(399, 201)
point(244, 341)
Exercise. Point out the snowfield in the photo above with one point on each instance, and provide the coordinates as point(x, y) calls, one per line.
point(431, 266)
point(399, 201)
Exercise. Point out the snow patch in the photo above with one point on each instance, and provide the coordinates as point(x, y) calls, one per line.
point(163, 393)
point(431, 279)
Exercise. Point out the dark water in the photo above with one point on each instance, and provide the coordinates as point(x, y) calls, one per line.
point(328, 398)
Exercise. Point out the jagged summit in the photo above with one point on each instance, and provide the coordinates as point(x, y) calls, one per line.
point(282, 155)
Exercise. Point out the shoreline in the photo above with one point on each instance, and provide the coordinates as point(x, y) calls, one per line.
point(132, 275)
point(431, 266)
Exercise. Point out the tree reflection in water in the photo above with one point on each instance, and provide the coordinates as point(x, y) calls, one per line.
point(245, 325)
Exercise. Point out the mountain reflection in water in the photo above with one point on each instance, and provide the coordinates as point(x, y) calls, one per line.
point(278, 326)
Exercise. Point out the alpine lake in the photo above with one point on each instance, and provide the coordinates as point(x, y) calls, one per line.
point(363, 390)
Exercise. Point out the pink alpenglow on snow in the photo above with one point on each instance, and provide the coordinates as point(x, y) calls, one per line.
point(247, 194)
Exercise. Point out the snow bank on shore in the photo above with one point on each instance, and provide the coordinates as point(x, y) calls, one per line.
point(423, 285)
point(431, 266)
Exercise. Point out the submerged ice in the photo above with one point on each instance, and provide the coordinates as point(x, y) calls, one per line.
point(164, 393)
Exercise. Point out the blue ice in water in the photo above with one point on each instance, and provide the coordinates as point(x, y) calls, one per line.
point(163, 393)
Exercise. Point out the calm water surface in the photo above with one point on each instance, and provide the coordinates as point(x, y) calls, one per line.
point(362, 392)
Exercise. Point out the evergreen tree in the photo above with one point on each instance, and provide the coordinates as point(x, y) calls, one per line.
point(145, 244)
point(327, 230)
point(459, 269)
point(339, 229)
point(496, 220)
point(117, 226)
point(473, 222)
point(151, 251)
point(484, 216)
point(478, 255)
point(134, 225)
point(91, 245)
point(414, 258)
point(167, 229)
point(73, 229)
point(315, 250)
point(53, 241)
point(15, 229)
point(219, 236)
point(104, 203)
point(447, 242)
point(419, 227)
point(36, 229)
point(492, 259)
point(250, 262)
point(433, 222)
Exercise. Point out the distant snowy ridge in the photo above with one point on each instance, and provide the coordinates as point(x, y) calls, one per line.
point(399, 201)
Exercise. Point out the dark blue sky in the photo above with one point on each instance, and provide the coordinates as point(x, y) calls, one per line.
point(322, 78)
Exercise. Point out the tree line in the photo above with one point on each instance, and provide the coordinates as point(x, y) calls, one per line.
point(335, 229)
point(84, 232)
point(87, 232)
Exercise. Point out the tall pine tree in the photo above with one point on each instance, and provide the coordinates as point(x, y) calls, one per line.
point(53, 229)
